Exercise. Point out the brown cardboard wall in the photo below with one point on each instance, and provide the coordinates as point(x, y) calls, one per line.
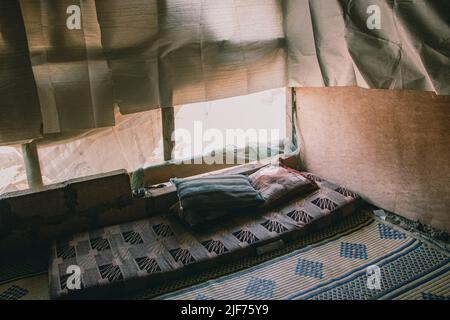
point(392, 147)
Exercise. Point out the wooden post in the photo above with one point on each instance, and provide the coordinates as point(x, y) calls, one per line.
point(293, 115)
point(168, 127)
point(32, 165)
point(165, 99)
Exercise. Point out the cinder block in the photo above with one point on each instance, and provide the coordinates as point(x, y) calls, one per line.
point(100, 190)
point(47, 201)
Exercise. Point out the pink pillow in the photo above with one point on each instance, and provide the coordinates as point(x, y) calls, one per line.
point(279, 183)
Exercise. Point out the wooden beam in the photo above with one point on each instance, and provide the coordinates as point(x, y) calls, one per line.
point(164, 172)
point(32, 165)
point(293, 115)
point(157, 174)
point(168, 127)
point(289, 119)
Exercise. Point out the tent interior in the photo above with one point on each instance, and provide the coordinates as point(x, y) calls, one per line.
point(128, 129)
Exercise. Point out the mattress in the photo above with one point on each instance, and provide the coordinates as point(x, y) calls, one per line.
point(135, 255)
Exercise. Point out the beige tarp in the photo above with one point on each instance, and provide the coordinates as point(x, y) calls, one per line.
point(330, 44)
point(145, 54)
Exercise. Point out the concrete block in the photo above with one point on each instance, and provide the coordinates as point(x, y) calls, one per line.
point(47, 201)
point(100, 190)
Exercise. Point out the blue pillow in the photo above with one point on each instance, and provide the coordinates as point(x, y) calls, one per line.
point(211, 197)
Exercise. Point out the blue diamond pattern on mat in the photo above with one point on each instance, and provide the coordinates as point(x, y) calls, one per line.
point(308, 268)
point(13, 293)
point(260, 287)
point(202, 297)
point(389, 233)
point(430, 296)
point(354, 250)
point(398, 272)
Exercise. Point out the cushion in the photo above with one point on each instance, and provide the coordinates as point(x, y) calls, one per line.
point(209, 198)
point(144, 253)
point(202, 218)
point(279, 183)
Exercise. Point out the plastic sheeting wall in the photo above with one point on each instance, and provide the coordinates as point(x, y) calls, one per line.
point(393, 147)
point(135, 141)
point(138, 54)
point(145, 54)
point(337, 43)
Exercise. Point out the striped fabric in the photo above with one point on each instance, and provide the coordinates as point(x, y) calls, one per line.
point(207, 199)
point(277, 183)
point(337, 269)
point(232, 191)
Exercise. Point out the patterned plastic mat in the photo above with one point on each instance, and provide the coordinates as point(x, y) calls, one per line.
point(346, 225)
point(410, 268)
point(373, 260)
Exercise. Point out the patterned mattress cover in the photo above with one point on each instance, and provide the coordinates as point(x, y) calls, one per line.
point(134, 255)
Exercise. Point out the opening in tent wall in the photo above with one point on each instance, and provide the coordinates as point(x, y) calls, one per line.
point(257, 120)
point(12, 169)
point(136, 141)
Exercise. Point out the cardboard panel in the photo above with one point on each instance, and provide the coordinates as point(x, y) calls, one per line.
point(392, 147)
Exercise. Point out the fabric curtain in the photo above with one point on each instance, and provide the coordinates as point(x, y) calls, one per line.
point(140, 55)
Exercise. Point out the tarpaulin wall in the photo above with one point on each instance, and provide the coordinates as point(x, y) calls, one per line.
point(146, 54)
point(392, 147)
point(138, 54)
point(383, 44)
